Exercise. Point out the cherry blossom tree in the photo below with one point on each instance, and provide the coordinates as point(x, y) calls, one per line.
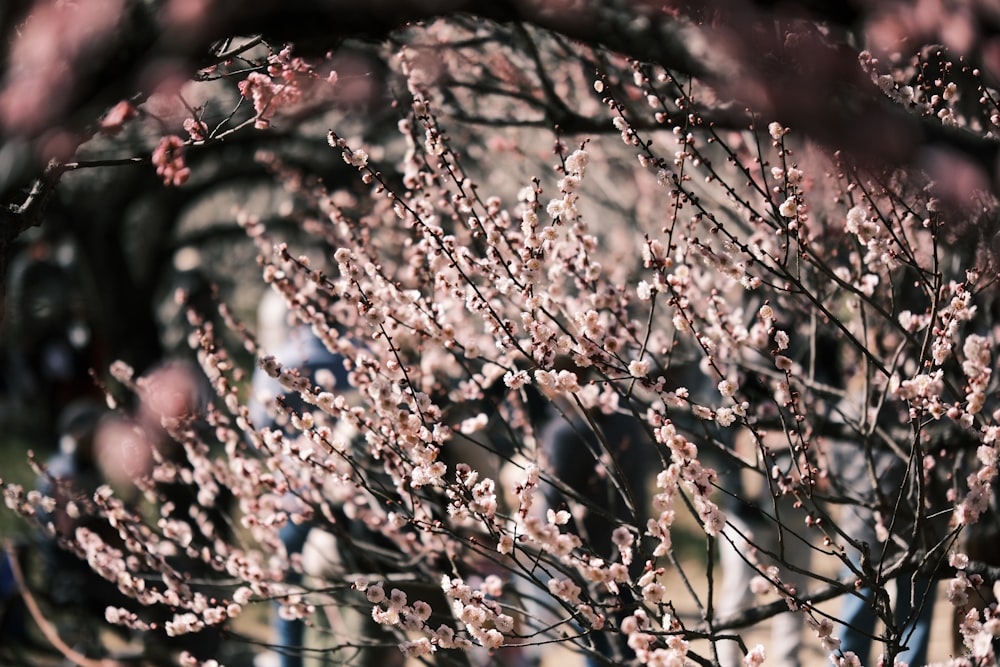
point(762, 235)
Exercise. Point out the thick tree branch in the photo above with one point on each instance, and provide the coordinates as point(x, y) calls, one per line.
point(740, 49)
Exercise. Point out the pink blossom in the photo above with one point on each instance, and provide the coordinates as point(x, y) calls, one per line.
point(114, 120)
point(168, 158)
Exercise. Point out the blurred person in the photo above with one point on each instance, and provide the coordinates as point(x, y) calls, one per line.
point(871, 480)
point(489, 440)
point(13, 626)
point(752, 512)
point(577, 458)
point(294, 346)
point(70, 478)
point(913, 607)
point(154, 449)
point(52, 343)
point(753, 540)
point(175, 395)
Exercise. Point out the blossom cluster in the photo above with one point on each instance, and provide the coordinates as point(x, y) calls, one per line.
point(762, 303)
point(284, 83)
point(168, 158)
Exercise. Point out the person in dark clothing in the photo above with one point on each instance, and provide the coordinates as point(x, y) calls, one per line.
point(602, 462)
point(70, 478)
point(294, 348)
point(13, 619)
point(611, 483)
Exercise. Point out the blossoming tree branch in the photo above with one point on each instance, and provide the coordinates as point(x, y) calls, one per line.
point(630, 307)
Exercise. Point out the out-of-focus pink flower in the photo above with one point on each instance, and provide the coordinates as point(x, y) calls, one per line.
point(171, 392)
point(123, 452)
point(115, 119)
point(45, 58)
point(186, 14)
